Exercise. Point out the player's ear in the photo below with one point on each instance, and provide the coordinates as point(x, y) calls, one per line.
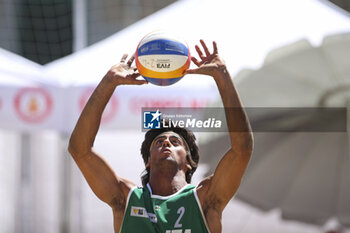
point(188, 167)
point(148, 165)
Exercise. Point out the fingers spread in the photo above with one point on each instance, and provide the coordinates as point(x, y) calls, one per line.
point(215, 47)
point(205, 48)
point(200, 54)
point(124, 58)
point(195, 61)
point(130, 61)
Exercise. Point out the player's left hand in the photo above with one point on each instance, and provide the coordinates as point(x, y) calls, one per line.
point(209, 63)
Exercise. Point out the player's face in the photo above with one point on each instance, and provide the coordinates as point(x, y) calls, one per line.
point(170, 147)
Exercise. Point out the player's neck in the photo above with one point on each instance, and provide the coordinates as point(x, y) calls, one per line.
point(166, 184)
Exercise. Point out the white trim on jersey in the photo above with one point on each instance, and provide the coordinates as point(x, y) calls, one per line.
point(165, 197)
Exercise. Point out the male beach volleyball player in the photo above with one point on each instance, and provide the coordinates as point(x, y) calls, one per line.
point(167, 203)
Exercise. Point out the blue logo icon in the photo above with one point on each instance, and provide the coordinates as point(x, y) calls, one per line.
point(151, 119)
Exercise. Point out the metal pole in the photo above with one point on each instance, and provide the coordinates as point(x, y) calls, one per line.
point(24, 206)
point(79, 25)
point(70, 206)
point(70, 188)
point(65, 175)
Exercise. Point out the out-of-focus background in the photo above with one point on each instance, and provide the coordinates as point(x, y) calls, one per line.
point(290, 54)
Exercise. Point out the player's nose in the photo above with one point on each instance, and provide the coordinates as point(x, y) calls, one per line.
point(166, 142)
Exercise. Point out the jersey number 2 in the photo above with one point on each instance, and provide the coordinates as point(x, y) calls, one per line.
point(181, 212)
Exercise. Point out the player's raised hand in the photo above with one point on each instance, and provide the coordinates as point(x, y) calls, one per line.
point(124, 74)
point(208, 63)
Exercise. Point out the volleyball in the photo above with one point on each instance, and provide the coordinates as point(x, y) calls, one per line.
point(161, 58)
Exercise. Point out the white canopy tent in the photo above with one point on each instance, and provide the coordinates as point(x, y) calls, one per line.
point(244, 30)
point(245, 42)
point(27, 101)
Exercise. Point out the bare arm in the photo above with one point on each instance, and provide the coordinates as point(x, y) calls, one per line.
point(217, 190)
point(107, 186)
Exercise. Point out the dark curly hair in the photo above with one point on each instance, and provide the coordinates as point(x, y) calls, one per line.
point(192, 152)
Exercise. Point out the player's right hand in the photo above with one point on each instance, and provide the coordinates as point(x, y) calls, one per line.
point(124, 74)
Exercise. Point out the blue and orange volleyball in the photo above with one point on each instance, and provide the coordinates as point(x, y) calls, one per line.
point(161, 58)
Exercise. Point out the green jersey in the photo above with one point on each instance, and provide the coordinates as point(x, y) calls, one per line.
point(177, 213)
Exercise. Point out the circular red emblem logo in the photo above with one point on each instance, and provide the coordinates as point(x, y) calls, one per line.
point(33, 104)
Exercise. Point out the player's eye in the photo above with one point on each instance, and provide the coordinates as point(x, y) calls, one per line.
point(176, 141)
point(159, 142)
